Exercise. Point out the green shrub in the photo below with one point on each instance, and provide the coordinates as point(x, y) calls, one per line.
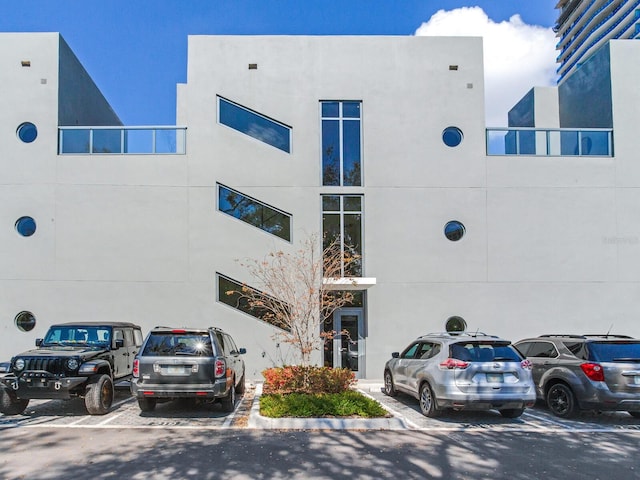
point(345, 404)
point(307, 379)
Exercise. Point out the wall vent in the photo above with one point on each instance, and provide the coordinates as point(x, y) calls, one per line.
point(25, 63)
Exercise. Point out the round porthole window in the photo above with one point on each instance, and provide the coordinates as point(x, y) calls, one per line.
point(454, 230)
point(27, 132)
point(25, 321)
point(26, 226)
point(452, 136)
point(455, 324)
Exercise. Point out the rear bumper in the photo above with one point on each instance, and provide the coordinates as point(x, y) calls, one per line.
point(601, 398)
point(217, 389)
point(42, 387)
point(485, 401)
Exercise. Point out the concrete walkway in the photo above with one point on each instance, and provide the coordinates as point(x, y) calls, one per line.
point(392, 422)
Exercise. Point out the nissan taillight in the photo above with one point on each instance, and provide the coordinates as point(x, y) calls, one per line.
point(454, 363)
point(220, 368)
point(136, 368)
point(526, 364)
point(594, 371)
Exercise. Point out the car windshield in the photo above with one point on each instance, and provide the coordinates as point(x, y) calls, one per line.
point(77, 335)
point(167, 344)
point(485, 352)
point(623, 351)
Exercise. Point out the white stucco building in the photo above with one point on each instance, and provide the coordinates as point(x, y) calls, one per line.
point(380, 140)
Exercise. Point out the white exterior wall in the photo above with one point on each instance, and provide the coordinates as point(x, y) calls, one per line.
point(550, 245)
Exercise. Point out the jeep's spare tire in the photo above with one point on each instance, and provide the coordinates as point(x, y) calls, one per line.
point(99, 395)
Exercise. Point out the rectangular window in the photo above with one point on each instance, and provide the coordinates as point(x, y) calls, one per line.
point(341, 143)
point(255, 125)
point(230, 293)
point(342, 220)
point(254, 213)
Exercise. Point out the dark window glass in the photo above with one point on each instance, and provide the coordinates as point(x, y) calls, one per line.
point(452, 136)
point(577, 348)
point(27, 132)
point(75, 141)
point(454, 230)
point(25, 321)
point(485, 352)
point(341, 144)
point(614, 352)
point(255, 125)
point(71, 335)
point(230, 293)
point(171, 344)
point(543, 350)
point(344, 224)
point(427, 350)
point(26, 226)
point(254, 213)
point(106, 141)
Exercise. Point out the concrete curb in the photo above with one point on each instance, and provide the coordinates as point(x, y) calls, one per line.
point(257, 421)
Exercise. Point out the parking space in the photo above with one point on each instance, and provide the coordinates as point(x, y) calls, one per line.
point(534, 419)
point(125, 413)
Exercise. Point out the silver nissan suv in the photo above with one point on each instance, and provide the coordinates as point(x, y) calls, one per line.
point(461, 370)
point(595, 372)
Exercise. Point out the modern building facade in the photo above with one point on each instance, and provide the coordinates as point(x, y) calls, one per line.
point(583, 26)
point(378, 141)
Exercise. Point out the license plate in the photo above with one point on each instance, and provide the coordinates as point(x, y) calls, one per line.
point(175, 370)
point(494, 377)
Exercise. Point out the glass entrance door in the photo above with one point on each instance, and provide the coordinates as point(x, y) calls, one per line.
point(347, 347)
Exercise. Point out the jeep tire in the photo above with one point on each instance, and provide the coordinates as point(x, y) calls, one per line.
point(10, 404)
point(99, 394)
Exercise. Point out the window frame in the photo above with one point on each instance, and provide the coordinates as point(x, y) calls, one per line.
point(341, 119)
point(341, 212)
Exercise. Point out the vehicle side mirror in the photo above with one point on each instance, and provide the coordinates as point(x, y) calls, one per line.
point(119, 343)
point(243, 351)
point(395, 355)
point(39, 341)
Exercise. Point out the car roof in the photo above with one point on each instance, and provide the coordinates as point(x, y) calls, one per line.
point(161, 328)
point(460, 336)
point(587, 337)
point(96, 324)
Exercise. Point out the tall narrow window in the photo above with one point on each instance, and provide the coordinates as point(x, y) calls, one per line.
point(341, 143)
point(254, 212)
point(342, 220)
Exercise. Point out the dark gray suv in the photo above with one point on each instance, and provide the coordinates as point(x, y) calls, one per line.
point(595, 372)
point(200, 363)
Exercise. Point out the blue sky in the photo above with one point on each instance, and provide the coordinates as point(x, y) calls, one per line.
point(136, 50)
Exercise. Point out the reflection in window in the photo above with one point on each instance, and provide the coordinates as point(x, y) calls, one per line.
point(231, 293)
point(255, 125)
point(341, 143)
point(342, 220)
point(26, 226)
point(254, 212)
point(454, 230)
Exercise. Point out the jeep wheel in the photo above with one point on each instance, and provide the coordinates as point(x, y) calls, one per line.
point(99, 395)
point(428, 404)
point(10, 404)
point(229, 402)
point(147, 404)
point(511, 412)
point(240, 387)
point(561, 401)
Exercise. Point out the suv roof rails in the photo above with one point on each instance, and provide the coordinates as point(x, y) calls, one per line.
point(593, 335)
point(458, 334)
point(562, 335)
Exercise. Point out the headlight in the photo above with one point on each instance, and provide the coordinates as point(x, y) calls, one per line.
point(72, 364)
point(19, 365)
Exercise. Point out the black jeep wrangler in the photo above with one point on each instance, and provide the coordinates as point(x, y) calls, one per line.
point(73, 360)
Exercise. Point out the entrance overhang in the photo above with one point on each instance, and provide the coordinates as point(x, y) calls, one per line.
point(349, 283)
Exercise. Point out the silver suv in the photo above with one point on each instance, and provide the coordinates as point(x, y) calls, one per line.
point(461, 370)
point(200, 363)
point(574, 372)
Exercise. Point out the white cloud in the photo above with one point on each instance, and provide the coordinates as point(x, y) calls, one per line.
point(517, 56)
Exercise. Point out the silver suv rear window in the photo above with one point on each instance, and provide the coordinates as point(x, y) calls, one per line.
point(484, 352)
point(167, 344)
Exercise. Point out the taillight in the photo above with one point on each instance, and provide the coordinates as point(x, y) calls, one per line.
point(453, 363)
point(593, 371)
point(220, 368)
point(136, 368)
point(526, 364)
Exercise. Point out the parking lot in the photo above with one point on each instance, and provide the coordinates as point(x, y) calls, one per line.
point(125, 413)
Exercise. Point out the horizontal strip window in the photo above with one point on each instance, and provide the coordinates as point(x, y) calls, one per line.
point(246, 299)
point(122, 140)
point(254, 212)
point(254, 124)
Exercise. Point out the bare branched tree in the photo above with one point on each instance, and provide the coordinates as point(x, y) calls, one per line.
point(294, 292)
